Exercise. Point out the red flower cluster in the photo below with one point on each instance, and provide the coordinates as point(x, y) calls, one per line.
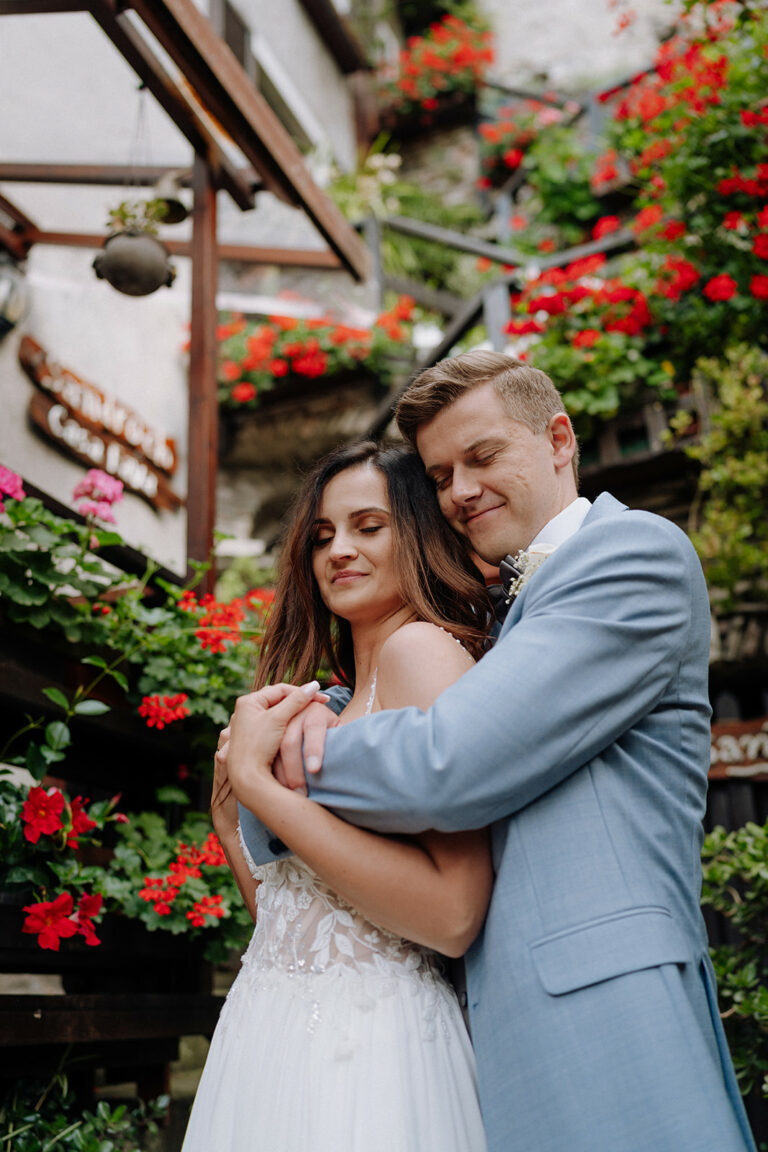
point(207, 906)
point(721, 287)
point(53, 921)
point(576, 292)
point(219, 623)
point(605, 170)
point(687, 78)
point(161, 710)
point(751, 186)
point(677, 276)
point(253, 356)
point(451, 56)
point(161, 891)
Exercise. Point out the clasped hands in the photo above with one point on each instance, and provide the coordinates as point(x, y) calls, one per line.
point(273, 733)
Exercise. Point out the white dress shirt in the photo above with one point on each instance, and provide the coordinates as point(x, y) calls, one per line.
point(562, 526)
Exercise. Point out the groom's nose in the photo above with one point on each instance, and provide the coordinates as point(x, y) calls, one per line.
point(465, 486)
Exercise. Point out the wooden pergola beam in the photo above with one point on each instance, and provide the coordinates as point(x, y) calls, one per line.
point(116, 175)
point(38, 7)
point(165, 90)
point(224, 88)
point(244, 253)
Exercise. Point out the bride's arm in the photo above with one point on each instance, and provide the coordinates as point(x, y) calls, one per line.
point(434, 891)
point(226, 826)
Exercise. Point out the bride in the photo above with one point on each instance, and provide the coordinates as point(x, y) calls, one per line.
point(341, 1032)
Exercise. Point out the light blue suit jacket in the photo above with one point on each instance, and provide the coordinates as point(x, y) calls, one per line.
point(582, 738)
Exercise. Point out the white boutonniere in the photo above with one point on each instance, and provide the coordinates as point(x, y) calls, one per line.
point(523, 566)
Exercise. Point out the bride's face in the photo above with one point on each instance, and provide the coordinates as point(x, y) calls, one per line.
point(352, 557)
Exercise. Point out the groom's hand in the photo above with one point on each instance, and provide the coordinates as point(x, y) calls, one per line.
point(303, 746)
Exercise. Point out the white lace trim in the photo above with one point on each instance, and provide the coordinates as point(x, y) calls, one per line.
point(309, 936)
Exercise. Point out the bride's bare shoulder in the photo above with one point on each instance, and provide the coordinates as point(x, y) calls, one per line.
point(417, 663)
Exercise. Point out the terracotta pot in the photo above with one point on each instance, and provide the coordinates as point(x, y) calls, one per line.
point(134, 263)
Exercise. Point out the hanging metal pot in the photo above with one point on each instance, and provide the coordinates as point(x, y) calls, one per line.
point(134, 262)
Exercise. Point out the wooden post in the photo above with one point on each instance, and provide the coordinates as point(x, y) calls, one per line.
point(203, 405)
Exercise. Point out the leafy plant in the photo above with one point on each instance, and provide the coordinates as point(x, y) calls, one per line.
point(177, 882)
point(376, 189)
point(39, 1116)
point(137, 216)
point(736, 886)
point(728, 522)
point(49, 570)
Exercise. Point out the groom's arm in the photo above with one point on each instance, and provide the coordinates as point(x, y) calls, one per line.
point(262, 845)
point(602, 632)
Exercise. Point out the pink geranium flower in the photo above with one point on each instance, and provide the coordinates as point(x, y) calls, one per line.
point(98, 491)
point(10, 485)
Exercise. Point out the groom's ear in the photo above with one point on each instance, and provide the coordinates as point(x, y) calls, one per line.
point(562, 438)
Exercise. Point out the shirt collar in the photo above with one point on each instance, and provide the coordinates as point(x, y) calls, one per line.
point(561, 527)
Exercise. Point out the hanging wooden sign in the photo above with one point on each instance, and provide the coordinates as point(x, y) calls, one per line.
point(97, 430)
point(739, 750)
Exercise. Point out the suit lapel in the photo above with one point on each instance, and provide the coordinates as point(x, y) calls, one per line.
point(603, 506)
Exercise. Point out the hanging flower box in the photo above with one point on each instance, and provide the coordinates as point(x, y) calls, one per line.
point(283, 356)
point(437, 78)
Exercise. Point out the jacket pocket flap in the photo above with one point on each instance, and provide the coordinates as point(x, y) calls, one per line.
point(611, 946)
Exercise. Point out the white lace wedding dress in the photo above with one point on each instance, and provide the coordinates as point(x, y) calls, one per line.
point(336, 1036)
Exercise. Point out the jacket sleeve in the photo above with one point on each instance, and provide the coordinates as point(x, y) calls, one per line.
point(259, 841)
point(601, 630)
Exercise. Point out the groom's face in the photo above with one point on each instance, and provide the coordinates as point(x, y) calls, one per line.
point(498, 483)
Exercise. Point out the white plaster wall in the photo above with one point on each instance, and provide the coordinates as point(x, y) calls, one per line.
point(308, 66)
point(571, 44)
point(129, 348)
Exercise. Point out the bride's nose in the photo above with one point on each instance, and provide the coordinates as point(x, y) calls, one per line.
point(342, 547)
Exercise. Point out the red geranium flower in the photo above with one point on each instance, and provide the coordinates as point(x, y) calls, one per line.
point(721, 287)
point(647, 218)
point(758, 286)
point(49, 920)
point(42, 813)
point(243, 392)
point(161, 710)
point(587, 338)
point(760, 246)
point(605, 225)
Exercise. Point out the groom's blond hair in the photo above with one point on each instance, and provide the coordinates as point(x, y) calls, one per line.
point(527, 393)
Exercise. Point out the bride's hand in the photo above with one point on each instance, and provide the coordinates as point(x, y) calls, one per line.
point(257, 726)
point(223, 800)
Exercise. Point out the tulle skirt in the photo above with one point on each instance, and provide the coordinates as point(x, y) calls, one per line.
point(339, 1061)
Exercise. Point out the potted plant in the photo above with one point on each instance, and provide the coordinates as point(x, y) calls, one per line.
point(134, 261)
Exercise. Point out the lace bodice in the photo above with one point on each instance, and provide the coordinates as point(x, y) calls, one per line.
point(304, 927)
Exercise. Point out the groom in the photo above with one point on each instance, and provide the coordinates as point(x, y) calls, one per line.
point(582, 738)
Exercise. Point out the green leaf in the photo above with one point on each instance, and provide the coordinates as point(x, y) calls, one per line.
point(120, 679)
point(96, 661)
point(171, 795)
point(34, 762)
point(57, 735)
point(51, 755)
point(57, 697)
point(29, 592)
point(91, 708)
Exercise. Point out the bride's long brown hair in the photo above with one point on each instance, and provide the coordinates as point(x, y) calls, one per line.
point(436, 576)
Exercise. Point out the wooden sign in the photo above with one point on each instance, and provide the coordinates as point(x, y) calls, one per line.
point(98, 430)
point(739, 750)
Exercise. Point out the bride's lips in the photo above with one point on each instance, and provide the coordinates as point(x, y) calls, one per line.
point(346, 577)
